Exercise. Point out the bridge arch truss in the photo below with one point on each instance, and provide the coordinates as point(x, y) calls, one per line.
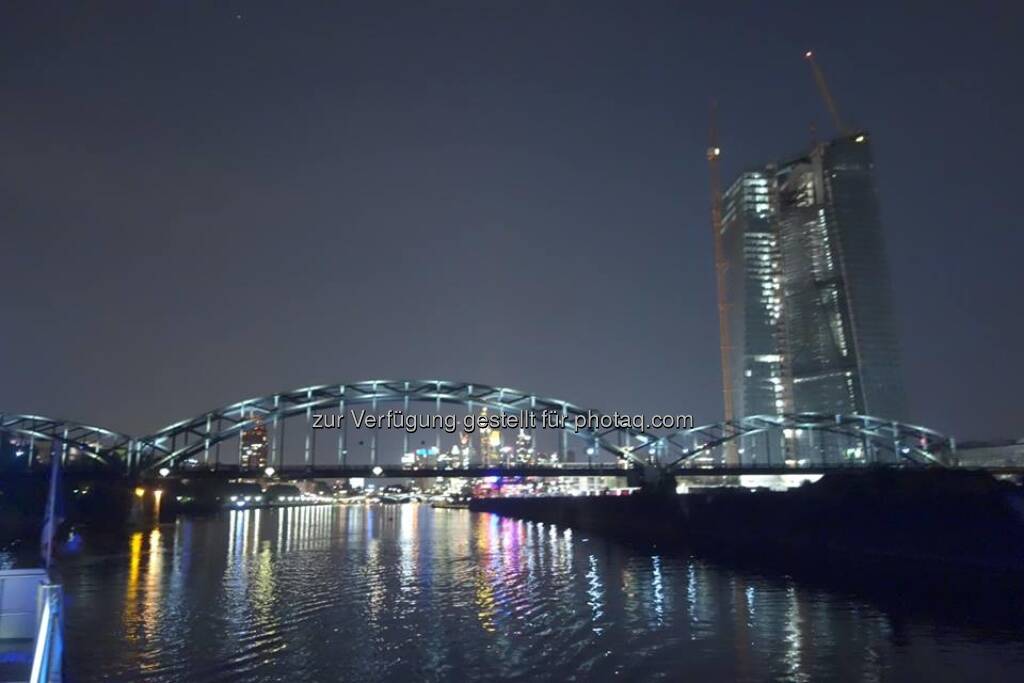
point(795, 441)
point(99, 447)
point(194, 439)
point(803, 440)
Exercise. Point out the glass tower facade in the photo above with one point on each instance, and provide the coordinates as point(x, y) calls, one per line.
point(753, 281)
point(807, 287)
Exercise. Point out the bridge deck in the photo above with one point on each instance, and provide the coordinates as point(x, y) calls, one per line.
point(596, 470)
point(398, 472)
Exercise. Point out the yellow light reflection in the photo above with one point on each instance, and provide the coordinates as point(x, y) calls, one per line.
point(130, 615)
point(154, 573)
point(486, 544)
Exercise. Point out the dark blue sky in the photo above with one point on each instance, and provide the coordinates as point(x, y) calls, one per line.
point(204, 201)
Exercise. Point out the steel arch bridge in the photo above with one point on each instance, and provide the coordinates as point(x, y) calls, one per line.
point(101, 447)
point(881, 441)
point(196, 437)
point(786, 442)
point(803, 440)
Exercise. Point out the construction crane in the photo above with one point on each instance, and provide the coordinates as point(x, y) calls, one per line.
point(714, 153)
point(819, 78)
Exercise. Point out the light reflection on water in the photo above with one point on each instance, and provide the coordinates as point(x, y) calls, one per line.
point(410, 593)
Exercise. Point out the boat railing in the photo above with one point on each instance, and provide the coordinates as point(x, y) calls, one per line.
point(48, 652)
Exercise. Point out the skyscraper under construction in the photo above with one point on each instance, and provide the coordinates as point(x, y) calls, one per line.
point(806, 290)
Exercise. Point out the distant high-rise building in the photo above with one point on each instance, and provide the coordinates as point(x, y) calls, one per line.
point(490, 443)
point(807, 287)
point(524, 448)
point(465, 451)
point(254, 447)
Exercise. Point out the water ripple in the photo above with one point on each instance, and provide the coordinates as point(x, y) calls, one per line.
point(410, 593)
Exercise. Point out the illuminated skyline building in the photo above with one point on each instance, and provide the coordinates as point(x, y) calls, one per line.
point(524, 452)
point(490, 443)
point(254, 447)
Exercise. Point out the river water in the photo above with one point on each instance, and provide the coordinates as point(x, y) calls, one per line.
point(410, 593)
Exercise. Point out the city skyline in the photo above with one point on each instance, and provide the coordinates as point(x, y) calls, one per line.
point(510, 341)
point(472, 194)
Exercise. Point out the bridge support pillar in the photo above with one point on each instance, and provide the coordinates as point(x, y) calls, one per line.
point(652, 480)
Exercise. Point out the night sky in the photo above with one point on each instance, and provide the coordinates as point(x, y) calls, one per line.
point(207, 201)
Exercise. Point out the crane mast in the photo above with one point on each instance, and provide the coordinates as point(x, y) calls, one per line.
point(826, 95)
point(714, 153)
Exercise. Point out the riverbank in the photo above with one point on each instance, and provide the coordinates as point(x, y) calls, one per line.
point(932, 519)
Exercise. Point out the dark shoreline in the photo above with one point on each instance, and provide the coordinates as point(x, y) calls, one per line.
point(932, 522)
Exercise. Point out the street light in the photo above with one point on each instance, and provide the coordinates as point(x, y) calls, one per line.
point(164, 471)
point(269, 471)
point(377, 470)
